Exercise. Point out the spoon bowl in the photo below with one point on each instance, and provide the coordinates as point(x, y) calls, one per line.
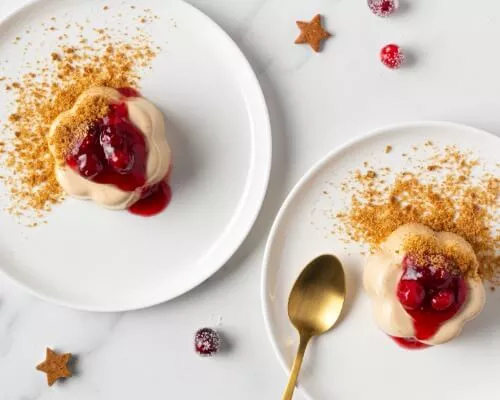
point(315, 305)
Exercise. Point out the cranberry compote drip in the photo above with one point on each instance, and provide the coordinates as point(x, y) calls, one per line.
point(409, 343)
point(154, 199)
point(129, 92)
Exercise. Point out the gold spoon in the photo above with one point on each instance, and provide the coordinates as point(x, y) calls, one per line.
point(314, 306)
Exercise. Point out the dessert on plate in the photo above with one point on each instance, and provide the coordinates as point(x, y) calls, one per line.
point(424, 285)
point(111, 148)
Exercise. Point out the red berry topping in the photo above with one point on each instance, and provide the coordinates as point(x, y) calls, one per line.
point(411, 294)
point(410, 343)
point(89, 142)
point(206, 342)
point(383, 8)
point(391, 56)
point(122, 161)
point(441, 278)
point(110, 138)
point(431, 292)
point(129, 92)
point(89, 165)
point(443, 300)
point(114, 152)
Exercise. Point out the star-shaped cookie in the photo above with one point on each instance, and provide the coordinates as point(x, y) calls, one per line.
point(55, 366)
point(312, 33)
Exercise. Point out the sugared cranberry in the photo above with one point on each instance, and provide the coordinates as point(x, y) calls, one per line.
point(411, 294)
point(383, 8)
point(206, 342)
point(391, 56)
point(443, 300)
point(89, 165)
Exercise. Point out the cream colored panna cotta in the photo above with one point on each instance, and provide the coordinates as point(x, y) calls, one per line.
point(424, 285)
point(115, 158)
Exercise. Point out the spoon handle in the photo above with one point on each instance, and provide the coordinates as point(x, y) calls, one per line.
point(297, 363)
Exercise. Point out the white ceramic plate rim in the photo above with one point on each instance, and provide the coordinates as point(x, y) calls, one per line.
point(253, 193)
point(298, 187)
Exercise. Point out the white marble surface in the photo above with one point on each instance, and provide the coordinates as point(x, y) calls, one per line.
point(316, 102)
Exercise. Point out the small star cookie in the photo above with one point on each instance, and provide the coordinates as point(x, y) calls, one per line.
point(312, 33)
point(55, 366)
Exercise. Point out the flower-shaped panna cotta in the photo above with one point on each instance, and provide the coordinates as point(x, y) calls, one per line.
point(424, 285)
point(121, 158)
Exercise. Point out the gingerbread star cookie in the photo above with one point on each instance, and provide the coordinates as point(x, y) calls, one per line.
point(312, 33)
point(55, 366)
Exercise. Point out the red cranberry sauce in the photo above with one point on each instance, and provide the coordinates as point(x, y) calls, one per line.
point(154, 199)
point(129, 92)
point(430, 293)
point(114, 152)
point(409, 343)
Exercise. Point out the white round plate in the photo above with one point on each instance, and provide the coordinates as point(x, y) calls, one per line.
point(218, 127)
point(355, 360)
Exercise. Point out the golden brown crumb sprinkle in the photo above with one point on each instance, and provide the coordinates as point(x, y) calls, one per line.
point(443, 194)
point(75, 126)
point(425, 249)
point(50, 88)
point(388, 149)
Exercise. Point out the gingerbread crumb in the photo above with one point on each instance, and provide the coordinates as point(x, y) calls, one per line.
point(425, 249)
point(388, 149)
point(50, 87)
point(75, 127)
point(445, 193)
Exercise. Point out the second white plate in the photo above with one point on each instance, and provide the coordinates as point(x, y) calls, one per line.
point(356, 360)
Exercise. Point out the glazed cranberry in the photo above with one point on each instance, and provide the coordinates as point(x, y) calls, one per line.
point(122, 161)
point(391, 56)
point(411, 294)
point(109, 137)
point(89, 165)
point(88, 144)
point(206, 342)
point(118, 113)
point(440, 278)
point(443, 300)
